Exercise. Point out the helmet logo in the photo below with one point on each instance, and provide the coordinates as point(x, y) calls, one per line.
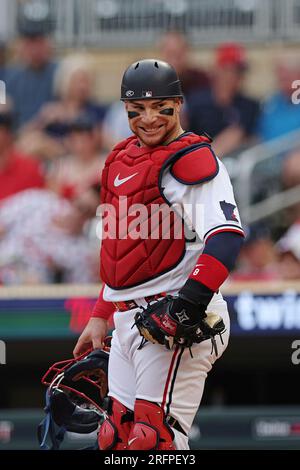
point(129, 93)
point(147, 94)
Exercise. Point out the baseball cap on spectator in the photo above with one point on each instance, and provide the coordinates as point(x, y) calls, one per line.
point(82, 123)
point(34, 19)
point(33, 29)
point(256, 231)
point(290, 242)
point(231, 54)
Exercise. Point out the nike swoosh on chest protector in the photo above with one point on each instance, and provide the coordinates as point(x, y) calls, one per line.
point(119, 182)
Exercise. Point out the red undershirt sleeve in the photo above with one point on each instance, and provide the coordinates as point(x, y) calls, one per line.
point(102, 308)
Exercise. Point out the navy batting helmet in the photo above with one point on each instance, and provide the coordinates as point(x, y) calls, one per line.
point(150, 79)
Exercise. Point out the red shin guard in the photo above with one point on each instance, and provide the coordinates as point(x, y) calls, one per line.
point(150, 431)
point(115, 430)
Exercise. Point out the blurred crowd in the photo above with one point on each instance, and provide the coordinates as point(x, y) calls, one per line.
point(55, 135)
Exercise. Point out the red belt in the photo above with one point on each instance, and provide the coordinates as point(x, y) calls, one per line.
point(125, 305)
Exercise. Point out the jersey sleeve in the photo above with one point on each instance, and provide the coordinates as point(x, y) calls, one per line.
point(220, 210)
point(209, 207)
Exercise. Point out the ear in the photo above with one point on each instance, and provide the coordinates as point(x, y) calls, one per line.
point(178, 102)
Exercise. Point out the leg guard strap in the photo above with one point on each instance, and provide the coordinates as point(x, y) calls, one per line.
point(114, 432)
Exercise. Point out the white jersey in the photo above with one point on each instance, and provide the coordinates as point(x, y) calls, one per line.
point(216, 212)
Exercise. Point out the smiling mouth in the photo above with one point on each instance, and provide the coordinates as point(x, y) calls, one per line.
point(151, 131)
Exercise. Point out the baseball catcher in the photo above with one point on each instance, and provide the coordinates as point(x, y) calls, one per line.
point(171, 235)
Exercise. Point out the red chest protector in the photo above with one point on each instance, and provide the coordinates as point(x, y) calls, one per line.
point(132, 176)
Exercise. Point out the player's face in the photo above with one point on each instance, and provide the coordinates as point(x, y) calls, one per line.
point(154, 122)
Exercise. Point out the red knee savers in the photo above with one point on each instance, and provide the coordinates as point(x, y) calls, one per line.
point(115, 430)
point(150, 431)
point(143, 437)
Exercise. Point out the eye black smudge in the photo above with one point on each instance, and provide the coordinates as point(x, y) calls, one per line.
point(167, 111)
point(132, 114)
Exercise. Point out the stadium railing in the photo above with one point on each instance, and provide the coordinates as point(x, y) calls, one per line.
point(123, 23)
point(256, 175)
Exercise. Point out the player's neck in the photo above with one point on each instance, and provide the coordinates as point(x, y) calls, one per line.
point(174, 135)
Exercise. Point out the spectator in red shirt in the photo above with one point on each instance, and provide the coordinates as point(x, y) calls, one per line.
point(17, 172)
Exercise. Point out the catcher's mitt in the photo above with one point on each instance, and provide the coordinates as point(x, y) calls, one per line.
point(176, 321)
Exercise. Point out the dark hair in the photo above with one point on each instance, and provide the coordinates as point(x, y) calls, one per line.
point(6, 120)
point(82, 123)
point(256, 231)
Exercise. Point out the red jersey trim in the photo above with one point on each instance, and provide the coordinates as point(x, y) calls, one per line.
point(223, 228)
